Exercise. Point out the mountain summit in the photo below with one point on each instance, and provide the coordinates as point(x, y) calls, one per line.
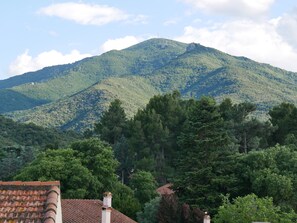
point(73, 96)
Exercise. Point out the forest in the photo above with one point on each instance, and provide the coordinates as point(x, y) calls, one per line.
point(219, 158)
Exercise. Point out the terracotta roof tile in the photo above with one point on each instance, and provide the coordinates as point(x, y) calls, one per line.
point(165, 189)
point(78, 211)
point(32, 202)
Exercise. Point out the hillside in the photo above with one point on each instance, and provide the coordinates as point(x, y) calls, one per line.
point(13, 134)
point(73, 96)
point(82, 110)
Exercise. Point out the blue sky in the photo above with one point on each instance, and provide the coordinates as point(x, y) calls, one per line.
point(36, 33)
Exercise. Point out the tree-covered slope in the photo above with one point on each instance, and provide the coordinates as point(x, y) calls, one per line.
point(58, 82)
point(13, 134)
point(206, 71)
point(82, 110)
point(74, 95)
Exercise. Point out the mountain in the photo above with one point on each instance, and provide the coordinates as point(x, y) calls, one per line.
point(73, 96)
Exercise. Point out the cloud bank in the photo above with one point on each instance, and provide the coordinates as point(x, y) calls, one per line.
point(89, 14)
point(25, 62)
point(259, 41)
point(232, 7)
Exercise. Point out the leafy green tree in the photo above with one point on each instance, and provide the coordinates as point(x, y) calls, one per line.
point(271, 172)
point(205, 168)
point(14, 158)
point(252, 209)
point(125, 156)
point(113, 123)
point(149, 213)
point(144, 185)
point(99, 158)
point(62, 165)
point(283, 117)
point(124, 200)
point(248, 132)
point(154, 142)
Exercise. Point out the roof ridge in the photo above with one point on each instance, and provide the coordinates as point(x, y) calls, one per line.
point(30, 183)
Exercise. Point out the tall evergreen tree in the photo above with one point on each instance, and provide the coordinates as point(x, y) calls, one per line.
point(113, 123)
point(203, 169)
point(284, 118)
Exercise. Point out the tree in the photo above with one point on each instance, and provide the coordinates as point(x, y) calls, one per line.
point(149, 213)
point(283, 117)
point(271, 172)
point(169, 209)
point(113, 123)
point(13, 159)
point(124, 200)
point(144, 185)
point(252, 209)
point(98, 157)
point(205, 168)
point(249, 133)
point(62, 165)
point(152, 134)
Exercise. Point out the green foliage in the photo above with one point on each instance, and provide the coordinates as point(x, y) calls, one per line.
point(112, 124)
point(248, 132)
point(152, 134)
point(252, 209)
point(283, 117)
point(124, 200)
point(270, 172)
point(80, 111)
point(13, 159)
point(204, 169)
point(20, 143)
point(13, 133)
point(149, 213)
point(62, 165)
point(144, 185)
point(99, 159)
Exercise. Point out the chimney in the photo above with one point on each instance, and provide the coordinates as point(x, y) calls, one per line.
point(206, 218)
point(106, 208)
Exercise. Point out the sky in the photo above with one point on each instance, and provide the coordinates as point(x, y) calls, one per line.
point(36, 34)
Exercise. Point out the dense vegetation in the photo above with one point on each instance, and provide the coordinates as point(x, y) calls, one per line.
point(20, 143)
point(72, 96)
point(217, 156)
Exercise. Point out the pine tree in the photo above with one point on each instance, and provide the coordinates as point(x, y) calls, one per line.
point(204, 165)
point(113, 123)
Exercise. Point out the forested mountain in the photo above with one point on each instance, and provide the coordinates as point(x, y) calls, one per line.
point(73, 96)
point(20, 143)
point(18, 134)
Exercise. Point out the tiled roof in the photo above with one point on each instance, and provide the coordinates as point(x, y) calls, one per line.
point(28, 202)
point(78, 211)
point(165, 189)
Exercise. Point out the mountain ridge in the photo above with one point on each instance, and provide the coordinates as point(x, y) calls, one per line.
point(156, 65)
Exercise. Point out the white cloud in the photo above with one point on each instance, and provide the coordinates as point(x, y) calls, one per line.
point(258, 41)
point(232, 7)
point(25, 62)
point(120, 43)
point(170, 22)
point(287, 27)
point(88, 14)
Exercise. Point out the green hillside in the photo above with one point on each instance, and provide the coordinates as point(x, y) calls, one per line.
point(60, 82)
point(206, 71)
point(82, 110)
point(13, 134)
point(73, 96)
